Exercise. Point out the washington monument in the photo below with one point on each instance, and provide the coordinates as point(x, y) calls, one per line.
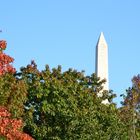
point(101, 68)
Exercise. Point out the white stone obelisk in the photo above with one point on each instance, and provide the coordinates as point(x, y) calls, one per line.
point(102, 60)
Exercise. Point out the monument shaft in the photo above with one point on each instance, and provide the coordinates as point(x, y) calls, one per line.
point(102, 61)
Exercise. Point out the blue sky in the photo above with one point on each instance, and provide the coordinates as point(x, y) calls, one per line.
point(65, 32)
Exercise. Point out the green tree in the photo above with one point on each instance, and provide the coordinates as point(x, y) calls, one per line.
point(65, 106)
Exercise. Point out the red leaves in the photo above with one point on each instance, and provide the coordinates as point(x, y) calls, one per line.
point(10, 128)
point(4, 112)
point(5, 60)
point(3, 45)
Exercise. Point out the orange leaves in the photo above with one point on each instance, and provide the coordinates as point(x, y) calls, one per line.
point(5, 60)
point(3, 45)
point(10, 128)
point(4, 112)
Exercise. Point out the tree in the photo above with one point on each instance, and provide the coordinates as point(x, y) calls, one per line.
point(13, 90)
point(52, 104)
point(130, 111)
point(12, 97)
point(65, 105)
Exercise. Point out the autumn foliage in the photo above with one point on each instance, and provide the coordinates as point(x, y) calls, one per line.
point(52, 104)
point(5, 60)
point(10, 127)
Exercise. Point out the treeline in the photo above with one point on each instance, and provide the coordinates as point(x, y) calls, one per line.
point(55, 105)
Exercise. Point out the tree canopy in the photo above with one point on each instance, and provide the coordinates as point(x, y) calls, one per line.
point(12, 98)
point(63, 105)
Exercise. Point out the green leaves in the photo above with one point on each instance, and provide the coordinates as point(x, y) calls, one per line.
point(13, 94)
point(61, 105)
point(65, 105)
